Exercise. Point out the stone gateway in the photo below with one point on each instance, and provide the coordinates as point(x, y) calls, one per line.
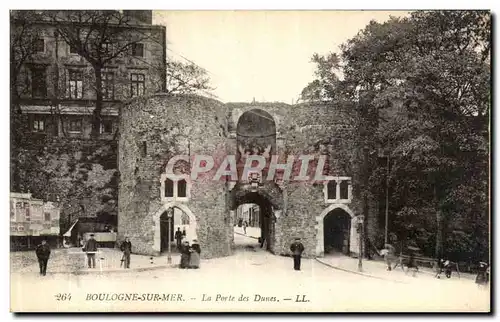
point(155, 129)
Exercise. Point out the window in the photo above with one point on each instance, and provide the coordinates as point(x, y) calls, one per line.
point(332, 189)
point(136, 84)
point(75, 125)
point(39, 45)
point(338, 190)
point(72, 50)
point(108, 85)
point(12, 211)
point(107, 48)
point(181, 188)
point(175, 187)
point(28, 213)
point(38, 123)
point(106, 126)
point(138, 50)
point(169, 188)
point(38, 82)
point(344, 189)
point(46, 216)
point(144, 148)
point(75, 84)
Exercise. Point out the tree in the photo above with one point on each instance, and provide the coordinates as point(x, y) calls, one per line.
point(422, 84)
point(186, 78)
point(23, 35)
point(99, 36)
point(325, 85)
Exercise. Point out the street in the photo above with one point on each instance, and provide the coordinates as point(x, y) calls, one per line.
point(250, 280)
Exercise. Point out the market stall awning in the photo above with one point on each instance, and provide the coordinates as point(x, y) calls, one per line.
point(68, 233)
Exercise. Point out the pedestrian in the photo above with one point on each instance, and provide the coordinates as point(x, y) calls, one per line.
point(91, 249)
point(447, 268)
point(389, 254)
point(178, 238)
point(43, 253)
point(245, 227)
point(194, 259)
point(126, 248)
point(183, 232)
point(440, 267)
point(483, 274)
point(185, 255)
point(412, 264)
point(297, 248)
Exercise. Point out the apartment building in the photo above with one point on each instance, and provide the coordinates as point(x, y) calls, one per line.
point(56, 86)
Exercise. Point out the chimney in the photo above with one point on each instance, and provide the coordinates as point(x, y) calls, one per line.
point(140, 16)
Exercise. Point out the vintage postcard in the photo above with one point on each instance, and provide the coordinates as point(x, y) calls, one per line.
point(250, 161)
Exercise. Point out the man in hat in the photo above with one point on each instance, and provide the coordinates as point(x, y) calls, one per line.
point(126, 248)
point(91, 249)
point(42, 253)
point(297, 248)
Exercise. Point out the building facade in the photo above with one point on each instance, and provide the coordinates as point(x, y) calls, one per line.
point(32, 220)
point(325, 213)
point(53, 87)
point(56, 85)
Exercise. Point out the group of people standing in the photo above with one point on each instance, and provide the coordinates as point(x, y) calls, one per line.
point(190, 255)
point(443, 265)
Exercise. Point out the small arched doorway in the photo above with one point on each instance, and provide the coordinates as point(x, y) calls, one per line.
point(337, 227)
point(182, 220)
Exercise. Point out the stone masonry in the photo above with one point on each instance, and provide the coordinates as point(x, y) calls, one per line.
point(156, 128)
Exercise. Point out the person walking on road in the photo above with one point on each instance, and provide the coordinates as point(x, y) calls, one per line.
point(245, 227)
point(43, 253)
point(388, 253)
point(91, 249)
point(178, 238)
point(126, 248)
point(483, 274)
point(297, 248)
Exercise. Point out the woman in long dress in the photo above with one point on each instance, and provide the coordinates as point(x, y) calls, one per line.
point(194, 261)
point(185, 255)
point(483, 277)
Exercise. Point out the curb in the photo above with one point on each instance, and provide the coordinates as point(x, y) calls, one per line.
point(360, 273)
point(98, 272)
point(246, 235)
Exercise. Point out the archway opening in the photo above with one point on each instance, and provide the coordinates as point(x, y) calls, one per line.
point(337, 227)
point(175, 229)
point(253, 222)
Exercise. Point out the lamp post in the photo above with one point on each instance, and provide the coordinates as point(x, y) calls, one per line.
point(360, 256)
point(387, 200)
point(170, 214)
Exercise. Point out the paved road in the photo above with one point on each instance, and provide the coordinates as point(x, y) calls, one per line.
point(264, 282)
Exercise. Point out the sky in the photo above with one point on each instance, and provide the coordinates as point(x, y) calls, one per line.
point(260, 54)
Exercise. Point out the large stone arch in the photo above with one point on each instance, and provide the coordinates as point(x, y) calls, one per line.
point(156, 220)
point(354, 237)
point(236, 114)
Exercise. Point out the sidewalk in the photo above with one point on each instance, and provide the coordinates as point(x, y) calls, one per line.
point(378, 269)
point(252, 232)
point(74, 261)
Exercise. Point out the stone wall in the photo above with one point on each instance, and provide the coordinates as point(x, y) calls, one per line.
point(153, 130)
